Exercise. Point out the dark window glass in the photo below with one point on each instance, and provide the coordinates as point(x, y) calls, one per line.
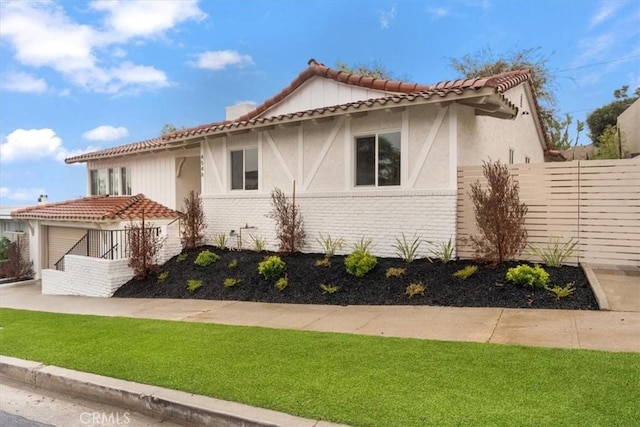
point(251, 169)
point(126, 181)
point(93, 178)
point(114, 182)
point(389, 159)
point(237, 166)
point(366, 160)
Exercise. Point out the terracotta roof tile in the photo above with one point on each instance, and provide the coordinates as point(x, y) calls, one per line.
point(402, 92)
point(99, 209)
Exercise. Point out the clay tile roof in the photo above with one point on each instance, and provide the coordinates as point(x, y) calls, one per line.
point(400, 91)
point(99, 209)
point(136, 147)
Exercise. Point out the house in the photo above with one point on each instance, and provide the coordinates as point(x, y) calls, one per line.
point(80, 247)
point(370, 158)
point(628, 123)
point(10, 228)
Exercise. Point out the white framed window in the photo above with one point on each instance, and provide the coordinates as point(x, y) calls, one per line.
point(377, 160)
point(244, 169)
point(511, 155)
point(112, 181)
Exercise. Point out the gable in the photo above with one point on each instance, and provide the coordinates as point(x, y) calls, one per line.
point(320, 92)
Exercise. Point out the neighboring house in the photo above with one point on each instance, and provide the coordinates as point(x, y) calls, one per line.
point(580, 152)
point(92, 227)
point(628, 124)
point(10, 228)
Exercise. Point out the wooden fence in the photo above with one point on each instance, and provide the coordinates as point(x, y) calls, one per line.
point(594, 202)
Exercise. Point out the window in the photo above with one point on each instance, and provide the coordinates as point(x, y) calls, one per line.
point(511, 155)
point(244, 169)
point(378, 160)
point(112, 181)
point(527, 160)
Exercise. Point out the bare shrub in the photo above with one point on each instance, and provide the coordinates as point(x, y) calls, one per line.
point(144, 245)
point(290, 225)
point(499, 215)
point(193, 222)
point(18, 265)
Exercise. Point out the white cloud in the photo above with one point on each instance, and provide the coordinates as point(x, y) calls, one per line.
point(220, 59)
point(105, 133)
point(386, 16)
point(22, 194)
point(23, 82)
point(31, 144)
point(128, 19)
point(438, 12)
point(606, 10)
point(41, 34)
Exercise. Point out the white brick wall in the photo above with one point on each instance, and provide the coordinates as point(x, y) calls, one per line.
point(94, 277)
point(378, 215)
point(171, 242)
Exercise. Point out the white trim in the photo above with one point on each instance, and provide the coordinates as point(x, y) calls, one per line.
point(208, 151)
point(260, 165)
point(348, 157)
point(226, 185)
point(278, 154)
point(301, 153)
point(426, 147)
point(323, 153)
point(453, 146)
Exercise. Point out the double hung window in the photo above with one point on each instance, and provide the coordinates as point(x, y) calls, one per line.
point(378, 160)
point(244, 169)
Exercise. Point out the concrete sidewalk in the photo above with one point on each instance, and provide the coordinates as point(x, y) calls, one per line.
point(599, 330)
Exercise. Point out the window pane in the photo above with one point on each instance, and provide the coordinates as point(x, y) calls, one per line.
point(389, 159)
point(114, 182)
point(251, 169)
point(102, 182)
point(236, 170)
point(93, 178)
point(126, 181)
point(366, 160)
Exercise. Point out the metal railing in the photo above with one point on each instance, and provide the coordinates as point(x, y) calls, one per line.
point(105, 244)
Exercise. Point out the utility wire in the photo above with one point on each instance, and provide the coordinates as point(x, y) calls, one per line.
point(597, 63)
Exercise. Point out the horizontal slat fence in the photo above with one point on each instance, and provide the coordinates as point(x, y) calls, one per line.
point(595, 202)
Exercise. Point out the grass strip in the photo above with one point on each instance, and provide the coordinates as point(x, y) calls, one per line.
point(358, 380)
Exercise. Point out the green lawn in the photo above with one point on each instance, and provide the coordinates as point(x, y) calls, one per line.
point(358, 380)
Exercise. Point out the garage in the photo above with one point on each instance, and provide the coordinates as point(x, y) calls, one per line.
point(60, 240)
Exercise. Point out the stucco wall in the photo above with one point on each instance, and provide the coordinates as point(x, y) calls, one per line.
point(93, 277)
point(379, 216)
point(629, 125)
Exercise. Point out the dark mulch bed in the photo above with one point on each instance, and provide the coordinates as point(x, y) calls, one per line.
point(487, 288)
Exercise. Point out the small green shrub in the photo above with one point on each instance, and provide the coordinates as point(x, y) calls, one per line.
point(562, 291)
point(206, 258)
point(554, 254)
point(282, 283)
point(220, 240)
point(272, 267)
point(407, 250)
point(466, 272)
point(231, 282)
point(233, 263)
point(181, 257)
point(329, 245)
point(414, 289)
point(360, 263)
point(163, 276)
point(259, 243)
point(362, 246)
point(444, 251)
point(324, 262)
point(395, 272)
point(329, 289)
point(193, 285)
point(526, 275)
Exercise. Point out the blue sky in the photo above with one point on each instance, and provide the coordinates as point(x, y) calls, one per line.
point(77, 76)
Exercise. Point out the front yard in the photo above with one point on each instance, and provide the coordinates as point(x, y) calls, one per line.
point(358, 380)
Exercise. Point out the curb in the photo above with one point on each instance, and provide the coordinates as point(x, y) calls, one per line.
point(601, 297)
point(150, 400)
point(18, 283)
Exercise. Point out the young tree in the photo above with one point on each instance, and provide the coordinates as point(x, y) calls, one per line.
point(607, 115)
point(290, 225)
point(610, 145)
point(18, 264)
point(499, 215)
point(144, 246)
point(559, 132)
point(193, 222)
